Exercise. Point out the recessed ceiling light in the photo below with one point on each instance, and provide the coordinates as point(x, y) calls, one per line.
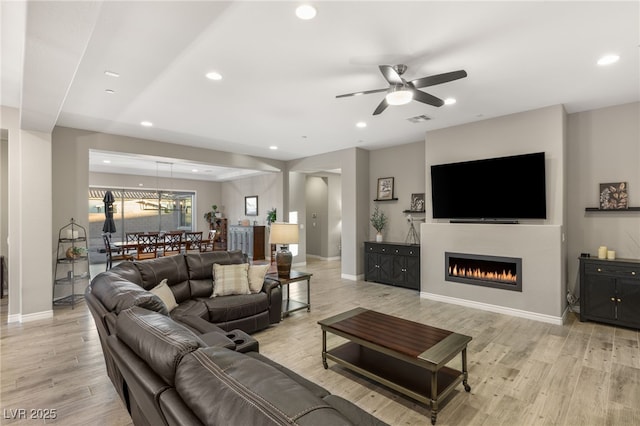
point(213, 75)
point(146, 123)
point(194, 170)
point(106, 161)
point(141, 184)
point(306, 12)
point(608, 59)
point(110, 91)
point(361, 124)
point(111, 74)
point(450, 101)
point(273, 147)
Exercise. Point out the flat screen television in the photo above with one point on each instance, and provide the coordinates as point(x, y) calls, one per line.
point(504, 188)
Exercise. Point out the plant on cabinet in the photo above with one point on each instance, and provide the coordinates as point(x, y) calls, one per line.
point(378, 221)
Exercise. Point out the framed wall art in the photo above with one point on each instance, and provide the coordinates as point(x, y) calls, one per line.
point(614, 196)
point(417, 202)
point(385, 189)
point(251, 205)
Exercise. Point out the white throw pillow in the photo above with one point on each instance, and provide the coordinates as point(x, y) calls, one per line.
point(230, 279)
point(256, 277)
point(165, 294)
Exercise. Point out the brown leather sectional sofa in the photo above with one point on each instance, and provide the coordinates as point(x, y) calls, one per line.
point(198, 365)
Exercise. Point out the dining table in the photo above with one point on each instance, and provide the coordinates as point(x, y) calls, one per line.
point(133, 246)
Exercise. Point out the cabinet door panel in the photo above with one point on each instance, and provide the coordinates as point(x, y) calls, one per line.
point(371, 267)
point(413, 272)
point(386, 268)
point(598, 295)
point(628, 291)
point(399, 270)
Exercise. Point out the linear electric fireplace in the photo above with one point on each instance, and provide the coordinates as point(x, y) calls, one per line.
point(488, 271)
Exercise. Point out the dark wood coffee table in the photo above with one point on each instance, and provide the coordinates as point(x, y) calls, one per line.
point(406, 356)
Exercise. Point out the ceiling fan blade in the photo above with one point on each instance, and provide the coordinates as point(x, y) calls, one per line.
point(432, 80)
point(365, 92)
point(381, 107)
point(390, 74)
point(426, 98)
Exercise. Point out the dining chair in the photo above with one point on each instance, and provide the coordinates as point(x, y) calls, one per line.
point(193, 240)
point(113, 253)
point(147, 246)
point(131, 238)
point(172, 243)
point(209, 243)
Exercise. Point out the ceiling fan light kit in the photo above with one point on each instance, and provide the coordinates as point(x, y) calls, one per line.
point(306, 12)
point(400, 96)
point(401, 92)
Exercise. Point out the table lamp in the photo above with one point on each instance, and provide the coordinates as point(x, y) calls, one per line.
point(284, 234)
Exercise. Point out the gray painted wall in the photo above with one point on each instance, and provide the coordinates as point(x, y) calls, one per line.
point(29, 214)
point(405, 163)
point(316, 194)
point(603, 146)
point(297, 203)
point(545, 283)
point(354, 164)
point(4, 191)
point(323, 196)
point(334, 216)
point(268, 188)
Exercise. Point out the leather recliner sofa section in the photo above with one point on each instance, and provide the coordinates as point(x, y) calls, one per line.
point(190, 278)
point(180, 368)
point(174, 377)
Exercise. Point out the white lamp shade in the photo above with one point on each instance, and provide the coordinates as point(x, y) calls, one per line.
point(284, 233)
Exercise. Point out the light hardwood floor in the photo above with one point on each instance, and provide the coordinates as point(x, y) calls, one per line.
point(521, 372)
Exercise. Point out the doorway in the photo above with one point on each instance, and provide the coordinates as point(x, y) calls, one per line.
point(323, 206)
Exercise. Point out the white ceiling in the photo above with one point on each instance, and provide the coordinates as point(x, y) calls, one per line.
point(281, 74)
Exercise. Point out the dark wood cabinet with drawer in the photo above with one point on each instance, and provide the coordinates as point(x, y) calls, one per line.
point(610, 291)
point(392, 263)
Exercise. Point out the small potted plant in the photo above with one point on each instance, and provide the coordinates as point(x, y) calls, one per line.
point(378, 221)
point(271, 216)
point(208, 216)
point(75, 252)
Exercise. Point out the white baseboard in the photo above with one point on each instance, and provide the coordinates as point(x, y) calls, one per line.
point(495, 308)
point(350, 277)
point(36, 316)
point(13, 318)
point(315, 256)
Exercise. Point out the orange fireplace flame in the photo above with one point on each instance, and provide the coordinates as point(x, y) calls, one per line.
point(478, 274)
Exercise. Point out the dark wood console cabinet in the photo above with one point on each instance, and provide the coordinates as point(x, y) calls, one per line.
point(610, 291)
point(392, 263)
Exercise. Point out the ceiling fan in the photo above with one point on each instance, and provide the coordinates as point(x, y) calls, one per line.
point(402, 92)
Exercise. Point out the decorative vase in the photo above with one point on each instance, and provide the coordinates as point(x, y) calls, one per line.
point(379, 237)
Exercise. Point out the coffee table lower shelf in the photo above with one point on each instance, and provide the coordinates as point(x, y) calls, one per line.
point(404, 377)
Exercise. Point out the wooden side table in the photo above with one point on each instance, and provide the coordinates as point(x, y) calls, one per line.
point(289, 305)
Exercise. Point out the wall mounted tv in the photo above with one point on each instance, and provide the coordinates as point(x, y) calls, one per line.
point(493, 189)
